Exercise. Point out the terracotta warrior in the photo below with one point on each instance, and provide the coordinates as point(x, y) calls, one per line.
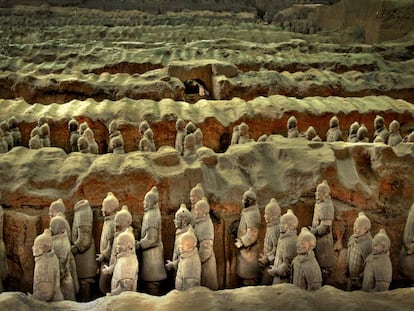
point(244, 133)
point(149, 134)
point(113, 132)
point(235, 135)
point(359, 247)
point(110, 205)
point(334, 133)
point(190, 128)
point(153, 269)
point(44, 132)
point(204, 231)
point(3, 258)
point(380, 129)
point(143, 126)
point(311, 134)
point(182, 222)
point(83, 247)
point(189, 264)
point(189, 145)
point(286, 249)
point(83, 145)
point(82, 127)
point(395, 137)
point(124, 271)
point(74, 135)
point(118, 145)
point(90, 137)
point(306, 273)
point(353, 129)
point(362, 134)
point(292, 127)
point(323, 216)
point(4, 126)
point(3, 143)
point(35, 143)
point(46, 278)
point(58, 207)
point(272, 219)
point(247, 265)
point(406, 263)
point(378, 267)
point(179, 138)
point(62, 249)
point(198, 134)
point(145, 145)
point(196, 194)
point(15, 131)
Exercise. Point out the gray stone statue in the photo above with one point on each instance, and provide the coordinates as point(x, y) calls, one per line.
point(125, 268)
point(3, 258)
point(380, 129)
point(153, 269)
point(110, 205)
point(35, 142)
point(143, 126)
point(362, 134)
point(118, 145)
point(306, 273)
point(244, 133)
point(353, 129)
point(44, 134)
point(83, 247)
point(58, 207)
point(196, 194)
point(62, 249)
point(74, 135)
point(334, 133)
point(15, 131)
point(311, 135)
point(286, 249)
point(113, 132)
point(359, 247)
point(292, 127)
point(189, 264)
point(235, 135)
point(378, 267)
point(272, 219)
point(46, 278)
point(189, 145)
point(145, 145)
point(395, 137)
point(82, 127)
point(122, 222)
point(204, 231)
point(179, 138)
point(4, 126)
point(323, 217)
point(182, 222)
point(90, 137)
point(83, 145)
point(198, 134)
point(3, 143)
point(149, 135)
point(247, 265)
point(190, 128)
point(406, 262)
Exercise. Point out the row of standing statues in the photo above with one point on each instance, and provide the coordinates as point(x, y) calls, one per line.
point(188, 137)
point(66, 261)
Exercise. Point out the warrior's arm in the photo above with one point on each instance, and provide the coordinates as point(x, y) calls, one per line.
point(150, 239)
point(250, 237)
point(205, 250)
point(84, 239)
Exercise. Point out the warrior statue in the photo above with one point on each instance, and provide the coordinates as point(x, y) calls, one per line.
point(235, 135)
point(93, 145)
point(362, 134)
point(244, 133)
point(353, 129)
point(406, 264)
point(3, 257)
point(380, 129)
point(15, 131)
point(179, 138)
point(292, 127)
point(395, 137)
point(74, 135)
point(334, 133)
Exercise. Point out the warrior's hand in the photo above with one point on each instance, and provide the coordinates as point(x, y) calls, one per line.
point(263, 260)
point(100, 257)
point(238, 243)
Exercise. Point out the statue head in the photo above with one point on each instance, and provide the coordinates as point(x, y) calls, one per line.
point(292, 123)
point(394, 126)
point(144, 144)
point(379, 122)
point(149, 134)
point(151, 198)
point(143, 126)
point(88, 133)
point(272, 211)
point(196, 194)
point(202, 208)
point(82, 127)
point(362, 224)
point(58, 224)
point(243, 129)
point(310, 133)
point(179, 124)
point(306, 242)
point(43, 243)
point(288, 222)
point(12, 122)
point(183, 217)
point(249, 198)
point(125, 242)
point(353, 129)
point(110, 204)
point(190, 128)
point(42, 120)
point(56, 207)
point(44, 130)
point(323, 191)
point(188, 242)
point(117, 142)
point(334, 122)
point(362, 132)
point(83, 143)
point(381, 242)
point(123, 219)
point(73, 125)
